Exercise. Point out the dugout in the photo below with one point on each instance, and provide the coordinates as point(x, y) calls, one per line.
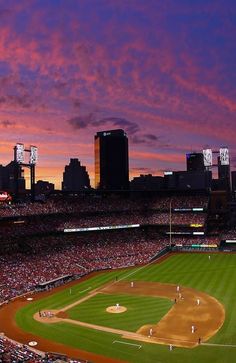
point(228, 245)
point(55, 282)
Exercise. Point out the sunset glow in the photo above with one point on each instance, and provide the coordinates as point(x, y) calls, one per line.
point(164, 71)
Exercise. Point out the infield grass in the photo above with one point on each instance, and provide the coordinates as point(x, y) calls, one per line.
point(148, 310)
point(216, 277)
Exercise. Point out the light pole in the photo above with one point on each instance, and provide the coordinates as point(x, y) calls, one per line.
point(170, 220)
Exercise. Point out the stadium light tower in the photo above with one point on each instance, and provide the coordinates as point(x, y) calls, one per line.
point(19, 159)
point(170, 221)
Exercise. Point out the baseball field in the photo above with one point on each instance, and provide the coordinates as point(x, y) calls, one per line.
point(106, 318)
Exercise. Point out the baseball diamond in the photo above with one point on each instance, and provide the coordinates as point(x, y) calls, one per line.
point(79, 325)
point(117, 181)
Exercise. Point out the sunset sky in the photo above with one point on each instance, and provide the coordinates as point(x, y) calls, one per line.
point(163, 70)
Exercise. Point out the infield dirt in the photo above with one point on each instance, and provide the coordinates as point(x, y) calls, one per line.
point(193, 315)
point(174, 328)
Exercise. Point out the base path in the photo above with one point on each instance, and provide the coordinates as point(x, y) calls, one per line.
point(176, 326)
point(9, 327)
point(193, 315)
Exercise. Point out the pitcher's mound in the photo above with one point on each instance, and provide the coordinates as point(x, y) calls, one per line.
point(116, 310)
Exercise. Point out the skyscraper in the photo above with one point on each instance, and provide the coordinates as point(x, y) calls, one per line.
point(195, 162)
point(75, 177)
point(12, 178)
point(111, 160)
point(223, 175)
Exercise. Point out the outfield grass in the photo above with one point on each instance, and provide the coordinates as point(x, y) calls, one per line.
point(216, 277)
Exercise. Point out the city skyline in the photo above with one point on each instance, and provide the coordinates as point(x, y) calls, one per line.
point(164, 72)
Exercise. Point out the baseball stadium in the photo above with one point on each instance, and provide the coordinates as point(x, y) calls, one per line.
point(119, 277)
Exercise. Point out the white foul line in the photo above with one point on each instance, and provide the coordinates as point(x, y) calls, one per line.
point(138, 269)
point(219, 345)
point(135, 345)
point(89, 288)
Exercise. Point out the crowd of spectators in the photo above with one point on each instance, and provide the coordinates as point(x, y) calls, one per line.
point(149, 217)
point(45, 223)
point(212, 240)
point(231, 235)
point(180, 202)
point(50, 257)
point(57, 215)
point(55, 256)
point(13, 352)
point(41, 259)
point(96, 204)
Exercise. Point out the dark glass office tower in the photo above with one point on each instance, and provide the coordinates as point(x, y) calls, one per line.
point(195, 162)
point(111, 160)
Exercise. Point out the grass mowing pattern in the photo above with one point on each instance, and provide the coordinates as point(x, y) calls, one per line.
point(216, 277)
point(148, 309)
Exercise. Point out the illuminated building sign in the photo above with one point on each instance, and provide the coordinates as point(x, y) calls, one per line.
point(5, 197)
point(182, 209)
point(224, 156)
point(19, 153)
point(168, 172)
point(207, 157)
point(102, 228)
point(33, 155)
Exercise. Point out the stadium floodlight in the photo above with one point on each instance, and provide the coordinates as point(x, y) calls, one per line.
point(19, 153)
point(207, 157)
point(33, 155)
point(224, 156)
